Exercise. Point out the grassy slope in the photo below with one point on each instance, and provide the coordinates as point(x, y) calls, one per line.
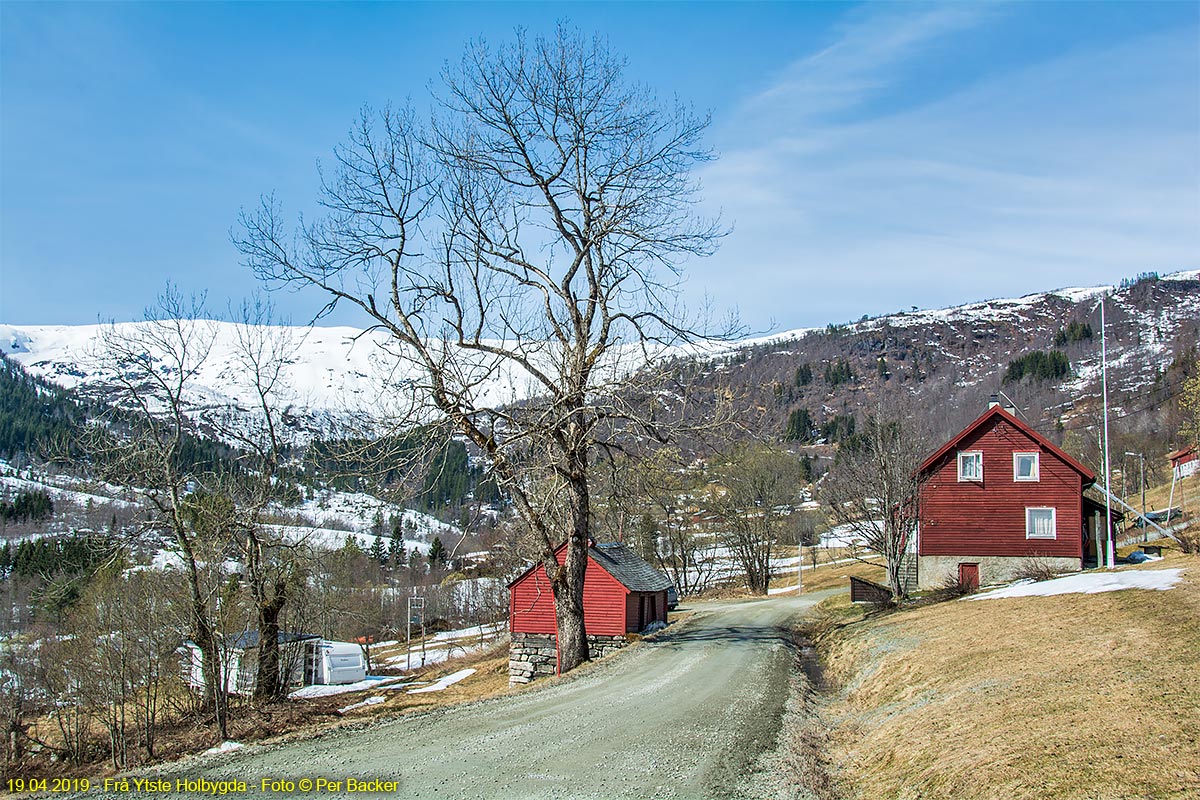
point(1076, 696)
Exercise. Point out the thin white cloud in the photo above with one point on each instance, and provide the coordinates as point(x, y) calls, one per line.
point(1076, 170)
point(862, 61)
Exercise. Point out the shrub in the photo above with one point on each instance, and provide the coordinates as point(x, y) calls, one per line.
point(1189, 539)
point(1035, 570)
point(952, 588)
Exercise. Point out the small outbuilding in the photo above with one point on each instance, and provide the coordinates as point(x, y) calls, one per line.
point(305, 659)
point(622, 595)
point(1184, 463)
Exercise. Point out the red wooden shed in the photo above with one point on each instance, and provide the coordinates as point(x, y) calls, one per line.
point(996, 496)
point(621, 594)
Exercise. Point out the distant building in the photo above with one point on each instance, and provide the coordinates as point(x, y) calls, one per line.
point(622, 594)
point(997, 495)
point(1184, 463)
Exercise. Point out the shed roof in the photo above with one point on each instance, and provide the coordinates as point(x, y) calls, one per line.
point(248, 640)
point(1184, 455)
point(629, 568)
point(997, 411)
point(626, 566)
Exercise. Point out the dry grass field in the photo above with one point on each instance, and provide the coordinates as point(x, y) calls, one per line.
point(1072, 696)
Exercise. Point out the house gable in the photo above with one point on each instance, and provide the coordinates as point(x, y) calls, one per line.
point(1002, 514)
point(531, 600)
point(969, 434)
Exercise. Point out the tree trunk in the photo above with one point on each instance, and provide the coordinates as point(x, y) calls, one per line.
point(214, 685)
point(267, 684)
point(568, 589)
point(568, 608)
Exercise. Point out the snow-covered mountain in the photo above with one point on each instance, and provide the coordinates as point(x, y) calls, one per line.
point(339, 372)
point(334, 374)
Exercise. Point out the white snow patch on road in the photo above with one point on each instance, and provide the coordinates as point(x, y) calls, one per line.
point(442, 683)
point(1088, 583)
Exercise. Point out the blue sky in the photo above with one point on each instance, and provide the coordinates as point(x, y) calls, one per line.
point(872, 157)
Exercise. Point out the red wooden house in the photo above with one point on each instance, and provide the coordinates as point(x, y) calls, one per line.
point(1184, 463)
point(621, 594)
point(997, 495)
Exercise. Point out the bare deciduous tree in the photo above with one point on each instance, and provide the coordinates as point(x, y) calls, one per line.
point(534, 233)
point(648, 500)
point(261, 350)
point(874, 488)
point(152, 366)
point(756, 493)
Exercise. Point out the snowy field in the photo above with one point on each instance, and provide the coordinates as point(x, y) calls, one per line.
point(1088, 583)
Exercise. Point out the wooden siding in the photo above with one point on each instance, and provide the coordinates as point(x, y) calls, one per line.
point(531, 602)
point(988, 518)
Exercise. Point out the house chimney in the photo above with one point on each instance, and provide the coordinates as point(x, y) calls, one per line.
point(993, 401)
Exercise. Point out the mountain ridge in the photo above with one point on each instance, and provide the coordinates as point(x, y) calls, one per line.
point(340, 371)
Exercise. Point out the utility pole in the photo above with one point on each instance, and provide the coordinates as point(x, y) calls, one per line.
point(416, 604)
point(799, 562)
point(1111, 549)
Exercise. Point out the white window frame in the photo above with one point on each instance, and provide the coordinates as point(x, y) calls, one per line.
point(1037, 468)
point(1029, 534)
point(974, 478)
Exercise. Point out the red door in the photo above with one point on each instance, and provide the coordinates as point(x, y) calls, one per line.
point(968, 576)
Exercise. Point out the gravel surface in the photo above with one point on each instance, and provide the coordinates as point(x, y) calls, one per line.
point(686, 714)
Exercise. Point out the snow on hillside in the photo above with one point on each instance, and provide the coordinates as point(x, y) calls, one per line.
point(341, 373)
point(358, 510)
point(11, 482)
point(336, 373)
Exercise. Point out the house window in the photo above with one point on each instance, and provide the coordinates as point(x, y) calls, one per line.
point(970, 466)
point(1040, 523)
point(1025, 467)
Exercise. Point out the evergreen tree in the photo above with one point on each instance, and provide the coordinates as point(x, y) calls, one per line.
point(804, 375)
point(838, 428)
point(378, 552)
point(799, 426)
point(1038, 366)
point(437, 553)
point(838, 372)
point(397, 554)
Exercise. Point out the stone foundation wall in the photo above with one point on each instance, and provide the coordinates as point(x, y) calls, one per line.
point(533, 655)
point(934, 571)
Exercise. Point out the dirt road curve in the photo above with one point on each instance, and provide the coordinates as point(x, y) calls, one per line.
point(685, 716)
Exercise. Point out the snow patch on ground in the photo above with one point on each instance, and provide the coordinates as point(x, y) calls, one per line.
point(442, 683)
point(370, 701)
point(1088, 583)
point(370, 682)
point(474, 631)
point(224, 747)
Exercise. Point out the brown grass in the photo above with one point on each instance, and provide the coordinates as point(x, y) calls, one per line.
point(1075, 696)
point(1187, 495)
point(834, 576)
point(300, 719)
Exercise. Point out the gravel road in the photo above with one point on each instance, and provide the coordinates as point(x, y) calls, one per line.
point(685, 715)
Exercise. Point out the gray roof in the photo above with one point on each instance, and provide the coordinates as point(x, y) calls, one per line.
point(248, 640)
point(629, 568)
